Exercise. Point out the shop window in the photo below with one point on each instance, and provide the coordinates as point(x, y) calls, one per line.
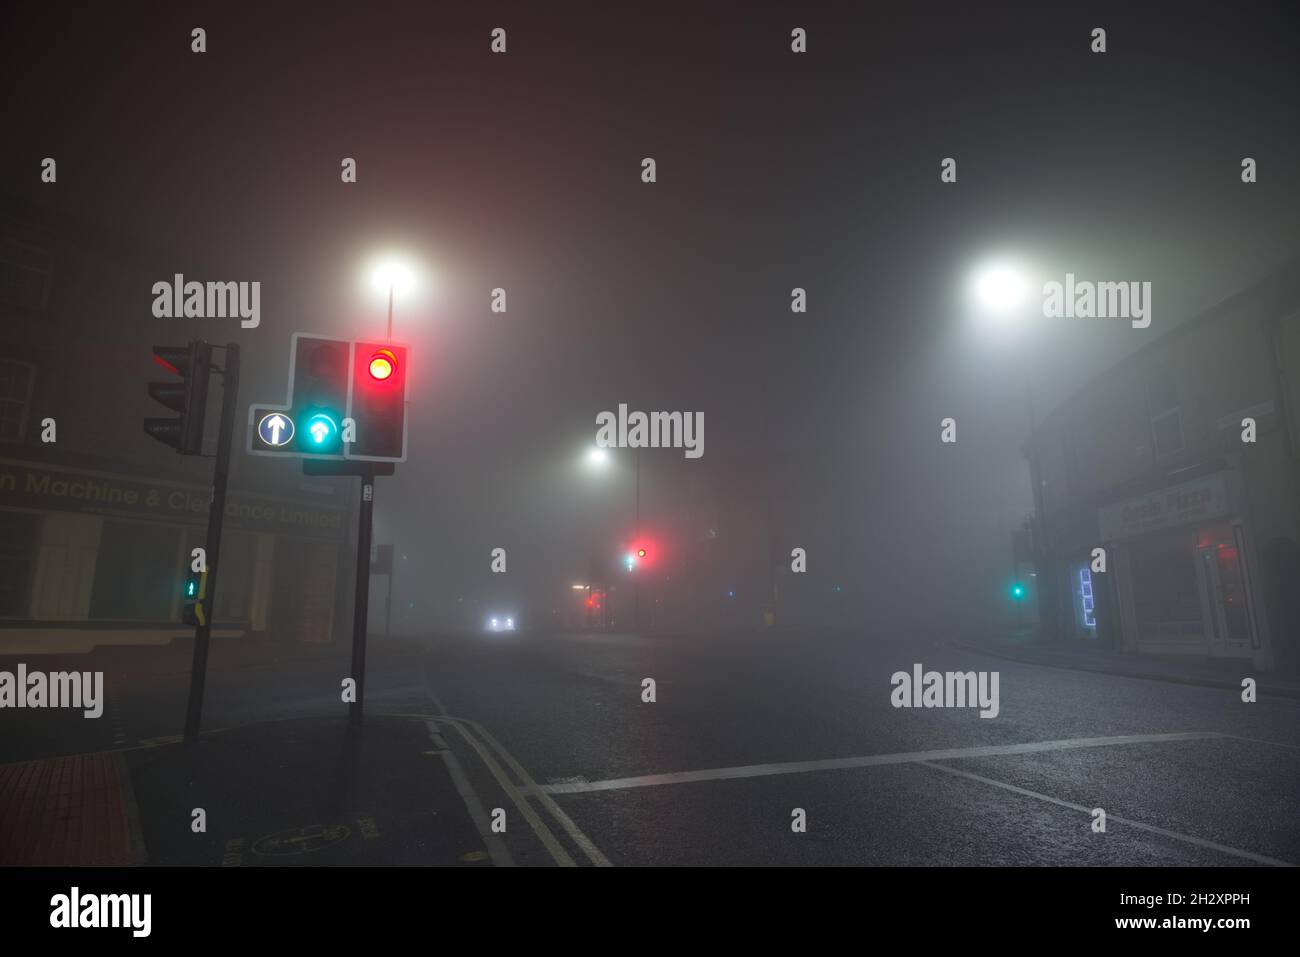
point(136, 572)
point(1166, 597)
point(16, 380)
point(25, 273)
point(17, 550)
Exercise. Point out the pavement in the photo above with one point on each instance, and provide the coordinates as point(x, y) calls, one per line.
point(1204, 671)
point(753, 749)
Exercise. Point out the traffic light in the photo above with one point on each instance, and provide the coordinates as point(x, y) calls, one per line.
point(196, 591)
point(189, 396)
point(379, 401)
point(320, 393)
point(1018, 592)
point(312, 424)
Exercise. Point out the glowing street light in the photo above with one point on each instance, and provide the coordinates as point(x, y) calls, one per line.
point(597, 457)
point(1000, 287)
point(393, 276)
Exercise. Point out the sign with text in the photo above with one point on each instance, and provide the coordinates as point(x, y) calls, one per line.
point(28, 485)
point(1166, 508)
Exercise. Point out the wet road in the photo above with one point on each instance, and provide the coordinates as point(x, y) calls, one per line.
point(777, 750)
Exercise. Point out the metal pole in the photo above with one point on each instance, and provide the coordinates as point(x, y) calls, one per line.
point(361, 603)
point(216, 513)
point(390, 312)
point(636, 532)
point(388, 602)
point(1045, 582)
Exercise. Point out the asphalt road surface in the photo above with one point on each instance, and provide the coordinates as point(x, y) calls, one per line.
point(746, 732)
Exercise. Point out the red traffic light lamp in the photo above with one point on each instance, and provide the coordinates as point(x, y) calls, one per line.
point(382, 364)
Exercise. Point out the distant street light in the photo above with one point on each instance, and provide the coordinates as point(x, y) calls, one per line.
point(597, 457)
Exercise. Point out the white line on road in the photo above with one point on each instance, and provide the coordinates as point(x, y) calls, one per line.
point(1275, 744)
point(543, 833)
point(1175, 835)
point(495, 846)
point(836, 764)
point(530, 787)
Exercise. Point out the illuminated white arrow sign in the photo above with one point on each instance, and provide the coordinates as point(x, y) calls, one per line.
point(275, 429)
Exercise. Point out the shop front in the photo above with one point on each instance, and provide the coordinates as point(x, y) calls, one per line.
point(88, 549)
point(1184, 571)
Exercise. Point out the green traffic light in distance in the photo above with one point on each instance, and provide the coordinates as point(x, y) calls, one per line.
point(1017, 591)
point(191, 588)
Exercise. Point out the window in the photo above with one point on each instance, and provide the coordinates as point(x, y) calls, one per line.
point(16, 380)
point(1165, 412)
point(136, 575)
point(17, 558)
point(1167, 433)
point(25, 272)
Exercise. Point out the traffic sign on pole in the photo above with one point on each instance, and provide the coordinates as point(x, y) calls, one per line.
point(346, 402)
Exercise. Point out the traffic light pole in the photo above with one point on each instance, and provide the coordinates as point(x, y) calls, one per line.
point(388, 602)
point(365, 525)
point(361, 604)
point(216, 513)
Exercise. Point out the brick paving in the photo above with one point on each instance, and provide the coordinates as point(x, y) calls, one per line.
point(67, 811)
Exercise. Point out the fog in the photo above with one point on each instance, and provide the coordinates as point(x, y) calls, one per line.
point(821, 428)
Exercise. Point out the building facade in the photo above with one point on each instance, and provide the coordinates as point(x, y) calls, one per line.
point(97, 520)
point(1180, 464)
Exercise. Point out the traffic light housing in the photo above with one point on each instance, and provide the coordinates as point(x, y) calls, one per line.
point(347, 400)
point(189, 396)
point(319, 396)
point(311, 424)
point(379, 377)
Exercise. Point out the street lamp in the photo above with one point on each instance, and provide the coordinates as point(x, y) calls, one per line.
point(597, 457)
point(394, 276)
point(1000, 289)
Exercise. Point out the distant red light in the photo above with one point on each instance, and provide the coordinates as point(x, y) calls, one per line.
point(640, 553)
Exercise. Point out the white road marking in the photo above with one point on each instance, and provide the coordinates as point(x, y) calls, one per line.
point(530, 787)
point(1175, 835)
point(1276, 744)
point(496, 848)
point(544, 833)
point(873, 760)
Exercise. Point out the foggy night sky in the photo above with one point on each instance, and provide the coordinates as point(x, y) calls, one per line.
point(775, 170)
